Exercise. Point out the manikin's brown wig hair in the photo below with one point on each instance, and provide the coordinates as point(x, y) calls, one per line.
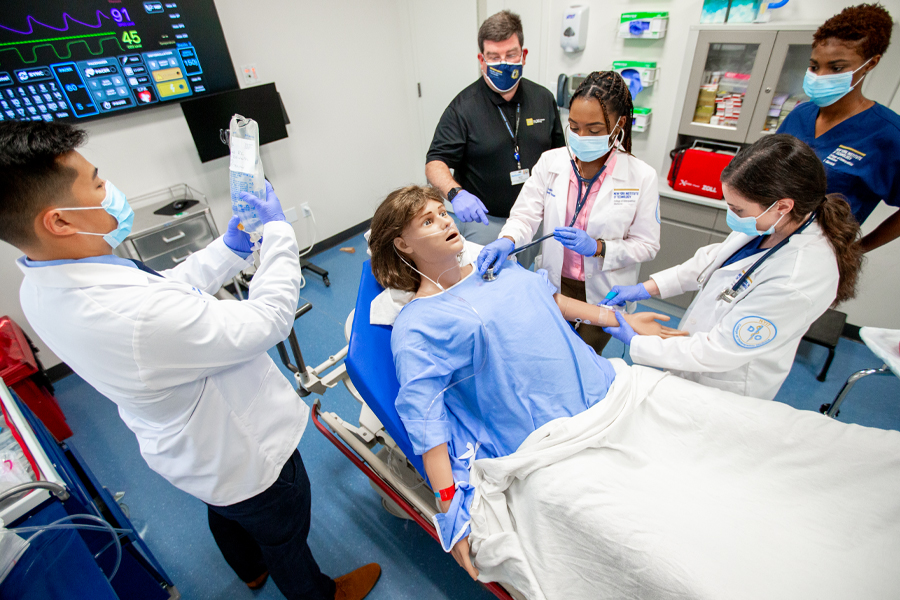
point(391, 218)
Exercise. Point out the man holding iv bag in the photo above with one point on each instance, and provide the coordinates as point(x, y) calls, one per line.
point(190, 373)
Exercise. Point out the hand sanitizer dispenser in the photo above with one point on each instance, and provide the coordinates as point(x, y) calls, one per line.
point(573, 36)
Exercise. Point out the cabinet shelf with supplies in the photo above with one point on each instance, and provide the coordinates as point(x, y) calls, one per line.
point(744, 81)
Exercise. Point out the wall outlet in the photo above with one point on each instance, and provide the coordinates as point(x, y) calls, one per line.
point(291, 214)
point(249, 75)
point(307, 211)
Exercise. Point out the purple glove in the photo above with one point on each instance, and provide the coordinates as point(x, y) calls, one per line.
point(620, 294)
point(576, 240)
point(624, 333)
point(494, 254)
point(237, 240)
point(267, 210)
point(469, 208)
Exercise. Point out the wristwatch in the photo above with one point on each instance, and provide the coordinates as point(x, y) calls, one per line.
point(602, 249)
point(452, 193)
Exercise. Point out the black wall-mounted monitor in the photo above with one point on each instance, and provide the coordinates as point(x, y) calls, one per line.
point(74, 61)
point(209, 117)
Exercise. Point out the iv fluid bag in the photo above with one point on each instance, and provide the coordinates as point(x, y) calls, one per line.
point(246, 173)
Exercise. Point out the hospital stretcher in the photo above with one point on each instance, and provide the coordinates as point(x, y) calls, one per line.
point(378, 445)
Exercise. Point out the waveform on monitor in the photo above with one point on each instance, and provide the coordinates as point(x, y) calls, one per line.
point(66, 17)
point(68, 52)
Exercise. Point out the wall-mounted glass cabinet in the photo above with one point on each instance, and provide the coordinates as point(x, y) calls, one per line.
point(743, 83)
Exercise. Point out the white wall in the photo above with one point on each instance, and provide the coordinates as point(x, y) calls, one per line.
point(344, 73)
point(880, 282)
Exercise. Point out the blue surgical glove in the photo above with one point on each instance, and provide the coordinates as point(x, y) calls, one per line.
point(469, 208)
point(494, 254)
point(237, 240)
point(624, 333)
point(267, 210)
point(620, 294)
point(576, 240)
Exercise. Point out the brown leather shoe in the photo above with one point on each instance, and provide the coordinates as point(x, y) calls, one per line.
point(258, 582)
point(357, 584)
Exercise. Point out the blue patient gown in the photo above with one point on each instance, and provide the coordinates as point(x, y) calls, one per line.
point(530, 368)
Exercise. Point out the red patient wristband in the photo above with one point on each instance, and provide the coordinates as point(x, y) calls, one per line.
point(446, 494)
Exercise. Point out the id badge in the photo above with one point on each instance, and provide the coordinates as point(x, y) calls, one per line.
point(518, 177)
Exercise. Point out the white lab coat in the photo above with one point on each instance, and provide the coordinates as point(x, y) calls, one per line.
point(190, 373)
point(746, 346)
point(625, 215)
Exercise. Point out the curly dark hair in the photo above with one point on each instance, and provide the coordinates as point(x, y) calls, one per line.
point(611, 91)
point(31, 176)
point(868, 25)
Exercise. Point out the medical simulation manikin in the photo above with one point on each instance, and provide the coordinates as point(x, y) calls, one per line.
point(480, 365)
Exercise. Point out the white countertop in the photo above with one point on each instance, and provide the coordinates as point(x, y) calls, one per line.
point(668, 192)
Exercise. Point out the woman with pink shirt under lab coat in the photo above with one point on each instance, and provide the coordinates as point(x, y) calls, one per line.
point(602, 204)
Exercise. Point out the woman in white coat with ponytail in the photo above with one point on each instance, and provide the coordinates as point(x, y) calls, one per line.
point(600, 202)
point(794, 252)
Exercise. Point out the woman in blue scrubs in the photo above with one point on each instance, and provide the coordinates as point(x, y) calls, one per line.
point(857, 139)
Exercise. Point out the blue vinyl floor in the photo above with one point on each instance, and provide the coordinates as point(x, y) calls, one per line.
point(349, 526)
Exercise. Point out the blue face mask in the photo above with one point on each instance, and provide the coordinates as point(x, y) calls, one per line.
point(747, 225)
point(588, 148)
point(504, 76)
point(825, 90)
point(117, 205)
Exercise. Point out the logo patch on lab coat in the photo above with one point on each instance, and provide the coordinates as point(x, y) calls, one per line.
point(625, 196)
point(753, 332)
point(529, 121)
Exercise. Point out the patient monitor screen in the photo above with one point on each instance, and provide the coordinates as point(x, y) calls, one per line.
point(73, 61)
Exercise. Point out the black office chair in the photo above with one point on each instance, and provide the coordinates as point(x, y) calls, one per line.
point(826, 331)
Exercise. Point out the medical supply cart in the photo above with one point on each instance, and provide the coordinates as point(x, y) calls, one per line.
point(169, 225)
point(71, 564)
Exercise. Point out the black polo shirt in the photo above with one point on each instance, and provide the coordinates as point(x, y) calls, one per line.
point(472, 139)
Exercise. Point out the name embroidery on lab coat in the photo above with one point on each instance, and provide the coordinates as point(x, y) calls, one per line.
point(753, 332)
point(744, 286)
point(625, 196)
point(844, 154)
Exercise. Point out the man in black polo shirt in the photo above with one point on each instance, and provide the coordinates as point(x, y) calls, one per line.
point(492, 134)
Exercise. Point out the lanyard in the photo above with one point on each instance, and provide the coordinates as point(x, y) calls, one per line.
point(513, 135)
point(581, 200)
point(729, 294)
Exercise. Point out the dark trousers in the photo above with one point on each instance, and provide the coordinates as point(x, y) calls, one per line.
point(592, 335)
point(268, 532)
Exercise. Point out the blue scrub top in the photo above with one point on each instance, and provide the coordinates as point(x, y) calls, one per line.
point(750, 248)
point(861, 155)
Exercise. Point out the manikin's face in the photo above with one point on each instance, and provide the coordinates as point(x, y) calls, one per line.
point(431, 236)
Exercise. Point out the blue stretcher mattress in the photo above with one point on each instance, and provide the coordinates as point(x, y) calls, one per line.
point(370, 365)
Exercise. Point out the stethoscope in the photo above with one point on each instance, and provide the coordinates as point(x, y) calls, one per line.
point(579, 204)
point(729, 294)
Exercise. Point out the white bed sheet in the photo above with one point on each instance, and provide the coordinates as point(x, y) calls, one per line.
point(669, 489)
